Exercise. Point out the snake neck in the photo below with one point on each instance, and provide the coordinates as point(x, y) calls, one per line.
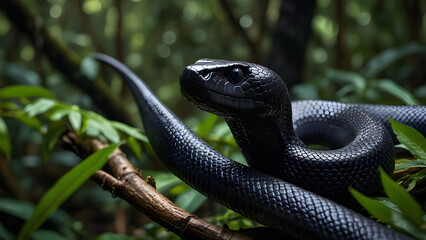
point(262, 141)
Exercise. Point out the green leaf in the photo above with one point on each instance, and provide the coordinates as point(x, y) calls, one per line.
point(23, 117)
point(5, 146)
point(75, 119)
point(38, 107)
point(164, 180)
point(23, 91)
point(408, 205)
point(390, 56)
point(134, 146)
point(4, 234)
point(113, 236)
point(206, 126)
point(51, 138)
point(386, 214)
point(411, 138)
point(375, 208)
point(397, 91)
point(416, 178)
point(131, 131)
point(57, 113)
point(89, 67)
point(63, 188)
point(190, 200)
point(358, 81)
point(103, 126)
point(414, 163)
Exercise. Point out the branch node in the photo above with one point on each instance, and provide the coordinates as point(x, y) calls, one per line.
point(151, 181)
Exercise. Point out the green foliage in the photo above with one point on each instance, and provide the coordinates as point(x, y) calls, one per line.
point(58, 115)
point(5, 146)
point(401, 210)
point(404, 214)
point(368, 85)
point(158, 39)
point(411, 138)
point(234, 221)
point(63, 188)
point(20, 91)
point(390, 56)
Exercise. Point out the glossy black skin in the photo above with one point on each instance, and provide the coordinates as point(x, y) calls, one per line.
point(272, 132)
point(259, 196)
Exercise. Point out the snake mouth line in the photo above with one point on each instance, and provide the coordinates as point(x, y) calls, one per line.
point(239, 103)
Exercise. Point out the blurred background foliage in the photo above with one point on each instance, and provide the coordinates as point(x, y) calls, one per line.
point(351, 51)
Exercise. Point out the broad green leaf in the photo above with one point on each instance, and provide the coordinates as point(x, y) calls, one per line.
point(131, 131)
point(178, 189)
point(397, 91)
point(51, 138)
point(23, 117)
point(5, 146)
point(190, 200)
point(75, 119)
point(134, 146)
point(402, 146)
point(414, 163)
point(386, 214)
point(5, 234)
point(408, 205)
point(375, 208)
point(416, 178)
point(411, 138)
point(89, 67)
point(22, 91)
point(390, 56)
point(206, 126)
point(164, 180)
point(103, 126)
point(63, 188)
point(358, 81)
point(40, 106)
point(57, 113)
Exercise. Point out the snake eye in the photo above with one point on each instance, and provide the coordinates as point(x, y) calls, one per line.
point(237, 75)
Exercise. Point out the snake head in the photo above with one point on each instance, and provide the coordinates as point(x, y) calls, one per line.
point(231, 88)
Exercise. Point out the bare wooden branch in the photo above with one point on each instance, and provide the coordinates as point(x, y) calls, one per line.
point(126, 182)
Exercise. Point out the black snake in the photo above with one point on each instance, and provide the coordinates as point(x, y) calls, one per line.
point(255, 103)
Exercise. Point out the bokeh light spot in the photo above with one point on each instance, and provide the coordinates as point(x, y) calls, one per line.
point(55, 11)
point(163, 50)
point(92, 6)
point(169, 37)
point(27, 53)
point(246, 21)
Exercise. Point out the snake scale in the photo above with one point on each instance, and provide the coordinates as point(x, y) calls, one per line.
point(272, 133)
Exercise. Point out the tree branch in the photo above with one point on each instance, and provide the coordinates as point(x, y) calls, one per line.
point(63, 59)
point(8, 181)
point(126, 182)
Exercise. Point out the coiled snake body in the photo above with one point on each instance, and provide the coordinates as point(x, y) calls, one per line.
point(255, 103)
